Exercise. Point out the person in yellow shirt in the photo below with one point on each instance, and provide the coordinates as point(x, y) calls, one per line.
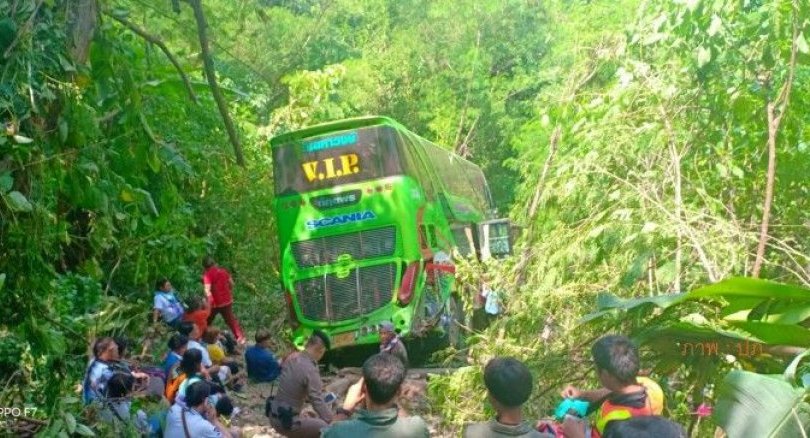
point(211, 340)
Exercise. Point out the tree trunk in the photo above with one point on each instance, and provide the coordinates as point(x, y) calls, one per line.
point(82, 21)
point(774, 119)
point(210, 74)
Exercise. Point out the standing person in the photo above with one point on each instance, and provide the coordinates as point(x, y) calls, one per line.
point(376, 396)
point(300, 381)
point(166, 304)
point(391, 343)
point(218, 284)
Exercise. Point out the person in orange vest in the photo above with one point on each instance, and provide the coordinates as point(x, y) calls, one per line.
point(624, 394)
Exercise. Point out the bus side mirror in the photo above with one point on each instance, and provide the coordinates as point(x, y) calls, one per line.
point(496, 238)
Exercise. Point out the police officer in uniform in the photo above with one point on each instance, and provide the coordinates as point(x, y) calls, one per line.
point(300, 381)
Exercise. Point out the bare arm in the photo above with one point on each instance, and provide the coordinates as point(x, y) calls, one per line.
point(589, 395)
point(155, 316)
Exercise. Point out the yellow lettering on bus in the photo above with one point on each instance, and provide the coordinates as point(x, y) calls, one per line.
point(349, 163)
point(310, 170)
point(314, 170)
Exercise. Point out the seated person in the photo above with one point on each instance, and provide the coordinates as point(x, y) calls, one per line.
point(217, 372)
point(375, 398)
point(198, 419)
point(104, 364)
point(178, 344)
point(191, 370)
point(261, 364)
point(166, 306)
point(624, 395)
point(198, 312)
point(509, 384)
point(118, 403)
point(212, 342)
point(156, 382)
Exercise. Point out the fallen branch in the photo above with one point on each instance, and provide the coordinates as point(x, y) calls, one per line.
point(156, 41)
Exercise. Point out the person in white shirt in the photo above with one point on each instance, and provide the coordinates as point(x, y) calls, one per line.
point(197, 419)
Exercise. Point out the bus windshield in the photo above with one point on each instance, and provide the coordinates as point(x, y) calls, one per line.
point(334, 159)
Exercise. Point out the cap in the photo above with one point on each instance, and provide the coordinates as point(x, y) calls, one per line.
point(387, 326)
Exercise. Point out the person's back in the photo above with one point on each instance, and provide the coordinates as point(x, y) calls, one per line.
point(509, 384)
point(379, 424)
point(383, 375)
point(644, 427)
point(261, 365)
point(197, 419)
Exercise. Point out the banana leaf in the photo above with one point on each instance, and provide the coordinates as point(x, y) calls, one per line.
point(756, 405)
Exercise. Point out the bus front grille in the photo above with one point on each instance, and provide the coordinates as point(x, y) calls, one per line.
point(380, 242)
point(364, 290)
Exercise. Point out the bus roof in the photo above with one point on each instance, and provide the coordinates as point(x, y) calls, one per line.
point(340, 125)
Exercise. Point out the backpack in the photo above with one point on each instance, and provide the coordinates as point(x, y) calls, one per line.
point(173, 386)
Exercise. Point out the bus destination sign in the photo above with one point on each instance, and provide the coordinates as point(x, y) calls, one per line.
point(325, 202)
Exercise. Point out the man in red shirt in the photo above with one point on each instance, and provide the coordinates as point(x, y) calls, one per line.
point(218, 283)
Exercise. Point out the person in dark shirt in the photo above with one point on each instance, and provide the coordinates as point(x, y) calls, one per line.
point(262, 365)
point(509, 385)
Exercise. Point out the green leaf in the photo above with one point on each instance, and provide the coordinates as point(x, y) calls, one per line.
point(2, 281)
point(21, 139)
point(6, 182)
point(83, 430)
point(801, 44)
point(751, 404)
point(715, 26)
point(608, 303)
point(17, 202)
point(703, 55)
point(66, 66)
point(776, 334)
point(751, 287)
point(790, 371)
point(70, 422)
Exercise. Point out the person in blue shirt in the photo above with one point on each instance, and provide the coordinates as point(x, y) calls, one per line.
point(262, 365)
point(166, 304)
point(177, 346)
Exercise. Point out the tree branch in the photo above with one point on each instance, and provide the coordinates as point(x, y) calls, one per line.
point(780, 105)
point(211, 75)
point(156, 41)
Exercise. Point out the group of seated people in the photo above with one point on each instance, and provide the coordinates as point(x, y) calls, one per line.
point(198, 361)
point(197, 374)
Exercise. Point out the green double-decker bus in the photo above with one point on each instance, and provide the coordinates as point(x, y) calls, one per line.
point(369, 218)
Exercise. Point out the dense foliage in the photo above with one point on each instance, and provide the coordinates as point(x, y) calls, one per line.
point(631, 141)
